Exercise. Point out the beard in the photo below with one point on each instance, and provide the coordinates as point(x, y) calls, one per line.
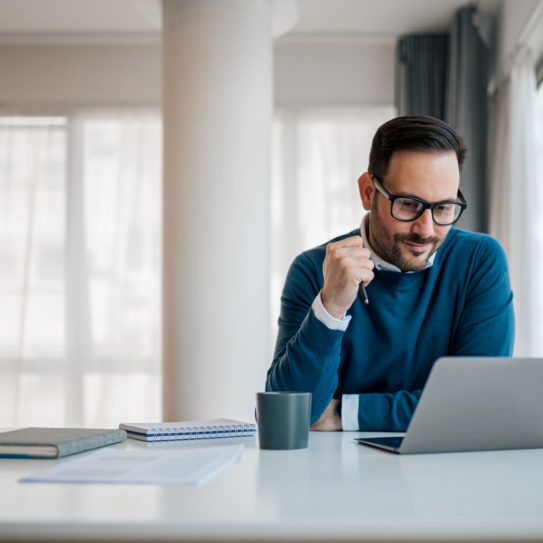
point(392, 249)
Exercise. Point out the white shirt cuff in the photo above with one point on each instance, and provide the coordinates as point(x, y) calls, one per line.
point(330, 322)
point(349, 412)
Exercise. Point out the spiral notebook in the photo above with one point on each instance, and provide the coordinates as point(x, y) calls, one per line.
point(199, 429)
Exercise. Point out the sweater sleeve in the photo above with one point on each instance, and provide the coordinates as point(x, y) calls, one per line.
point(382, 412)
point(486, 324)
point(387, 411)
point(307, 353)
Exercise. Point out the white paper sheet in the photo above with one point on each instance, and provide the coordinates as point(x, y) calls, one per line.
point(163, 467)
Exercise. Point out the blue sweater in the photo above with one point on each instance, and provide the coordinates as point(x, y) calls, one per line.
point(462, 305)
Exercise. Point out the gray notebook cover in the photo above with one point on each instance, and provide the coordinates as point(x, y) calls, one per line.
point(36, 442)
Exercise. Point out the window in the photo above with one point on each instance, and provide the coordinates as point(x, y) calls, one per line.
point(80, 268)
point(80, 251)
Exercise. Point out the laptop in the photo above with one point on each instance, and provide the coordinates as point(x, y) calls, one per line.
point(474, 404)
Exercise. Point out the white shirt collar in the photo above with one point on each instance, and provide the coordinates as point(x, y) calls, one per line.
point(381, 264)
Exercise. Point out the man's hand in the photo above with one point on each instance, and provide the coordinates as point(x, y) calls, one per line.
point(346, 265)
point(329, 420)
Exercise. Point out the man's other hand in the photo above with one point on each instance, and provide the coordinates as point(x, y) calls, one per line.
point(329, 421)
point(345, 266)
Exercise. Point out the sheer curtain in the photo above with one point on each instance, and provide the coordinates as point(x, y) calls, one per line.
point(80, 268)
point(318, 154)
point(516, 185)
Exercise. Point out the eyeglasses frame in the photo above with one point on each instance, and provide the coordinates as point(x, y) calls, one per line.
point(425, 205)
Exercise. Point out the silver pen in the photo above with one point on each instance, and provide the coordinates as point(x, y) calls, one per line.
point(363, 293)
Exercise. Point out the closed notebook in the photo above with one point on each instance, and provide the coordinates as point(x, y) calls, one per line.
point(198, 429)
point(37, 442)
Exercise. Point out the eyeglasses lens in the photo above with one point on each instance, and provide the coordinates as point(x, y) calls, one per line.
point(406, 209)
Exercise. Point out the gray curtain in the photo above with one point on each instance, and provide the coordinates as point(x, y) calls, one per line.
point(539, 71)
point(446, 76)
point(467, 111)
point(421, 74)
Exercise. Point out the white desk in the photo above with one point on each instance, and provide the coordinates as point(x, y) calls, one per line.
point(336, 490)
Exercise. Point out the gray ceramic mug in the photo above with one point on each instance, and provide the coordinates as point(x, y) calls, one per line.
point(283, 419)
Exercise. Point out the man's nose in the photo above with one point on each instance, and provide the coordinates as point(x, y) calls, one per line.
point(424, 225)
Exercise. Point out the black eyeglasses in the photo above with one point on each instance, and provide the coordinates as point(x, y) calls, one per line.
point(409, 208)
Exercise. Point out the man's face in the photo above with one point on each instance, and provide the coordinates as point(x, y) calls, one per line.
point(431, 176)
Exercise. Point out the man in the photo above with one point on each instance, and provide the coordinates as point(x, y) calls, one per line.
point(433, 289)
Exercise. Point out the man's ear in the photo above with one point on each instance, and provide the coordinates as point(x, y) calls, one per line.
point(366, 188)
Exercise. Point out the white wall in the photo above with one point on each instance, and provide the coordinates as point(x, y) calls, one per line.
point(90, 74)
point(328, 71)
point(307, 71)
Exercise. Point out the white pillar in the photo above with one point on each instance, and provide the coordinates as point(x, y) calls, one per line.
point(217, 111)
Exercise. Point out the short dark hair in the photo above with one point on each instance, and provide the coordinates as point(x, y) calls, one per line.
point(413, 133)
